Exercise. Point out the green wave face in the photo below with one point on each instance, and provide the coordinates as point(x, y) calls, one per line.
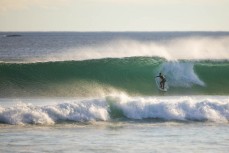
point(134, 76)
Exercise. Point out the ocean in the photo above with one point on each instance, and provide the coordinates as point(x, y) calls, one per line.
point(96, 92)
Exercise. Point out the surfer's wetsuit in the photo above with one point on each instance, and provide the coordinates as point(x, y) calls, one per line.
point(163, 80)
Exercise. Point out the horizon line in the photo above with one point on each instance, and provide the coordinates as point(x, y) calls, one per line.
point(108, 31)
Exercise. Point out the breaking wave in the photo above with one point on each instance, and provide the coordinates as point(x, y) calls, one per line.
point(134, 75)
point(112, 108)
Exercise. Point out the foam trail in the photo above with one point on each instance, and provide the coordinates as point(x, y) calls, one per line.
point(191, 48)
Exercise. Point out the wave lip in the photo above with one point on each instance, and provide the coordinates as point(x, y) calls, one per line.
point(115, 107)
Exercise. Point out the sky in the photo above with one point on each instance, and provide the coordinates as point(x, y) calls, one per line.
point(114, 15)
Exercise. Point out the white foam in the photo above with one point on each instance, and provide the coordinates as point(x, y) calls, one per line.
point(215, 109)
point(24, 113)
point(78, 111)
point(90, 110)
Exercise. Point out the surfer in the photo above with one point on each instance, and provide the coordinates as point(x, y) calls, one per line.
point(163, 80)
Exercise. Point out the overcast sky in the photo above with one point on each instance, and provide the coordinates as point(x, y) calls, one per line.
point(114, 15)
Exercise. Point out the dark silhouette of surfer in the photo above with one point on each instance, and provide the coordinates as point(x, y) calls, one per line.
point(163, 80)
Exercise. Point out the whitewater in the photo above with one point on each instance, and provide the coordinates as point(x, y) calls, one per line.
point(95, 92)
point(122, 107)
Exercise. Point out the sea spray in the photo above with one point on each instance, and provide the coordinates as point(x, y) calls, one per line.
point(77, 47)
point(191, 48)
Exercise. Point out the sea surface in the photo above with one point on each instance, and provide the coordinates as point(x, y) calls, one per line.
point(96, 92)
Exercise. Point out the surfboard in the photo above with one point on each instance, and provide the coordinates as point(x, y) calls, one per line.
point(166, 87)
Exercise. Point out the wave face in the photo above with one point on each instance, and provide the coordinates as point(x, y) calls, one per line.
point(113, 108)
point(133, 75)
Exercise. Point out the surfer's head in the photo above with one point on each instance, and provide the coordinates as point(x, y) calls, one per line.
point(160, 74)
